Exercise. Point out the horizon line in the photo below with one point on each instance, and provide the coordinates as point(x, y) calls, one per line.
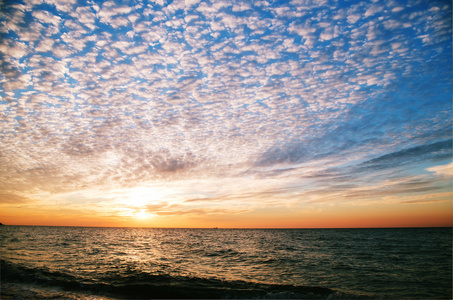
point(230, 228)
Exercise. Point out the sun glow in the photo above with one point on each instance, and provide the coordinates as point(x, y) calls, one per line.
point(142, 214)
point(140, 197)
point(136, 201)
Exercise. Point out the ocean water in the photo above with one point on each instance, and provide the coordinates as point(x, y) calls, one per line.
point(111, 263)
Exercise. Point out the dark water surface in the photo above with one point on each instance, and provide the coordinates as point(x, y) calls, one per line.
point(226, 263)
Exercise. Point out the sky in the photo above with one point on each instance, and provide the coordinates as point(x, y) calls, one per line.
point(249, 114)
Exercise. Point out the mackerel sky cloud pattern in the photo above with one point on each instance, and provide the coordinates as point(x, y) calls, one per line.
point(224, 106)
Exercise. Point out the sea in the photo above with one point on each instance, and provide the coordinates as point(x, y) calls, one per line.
point(40, 262)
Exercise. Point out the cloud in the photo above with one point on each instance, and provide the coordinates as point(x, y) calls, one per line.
point(436, 151)
point(180, 211)
point(428, 199)
point(372, 10)
point(191, 2)
point(241, 7)
point(442, 170)
point(103, 94)
point(46, 17)
point(353, 18)
point(13, 199)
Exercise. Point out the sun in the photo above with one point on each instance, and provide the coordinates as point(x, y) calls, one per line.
point(143, 215)
point(137, 200)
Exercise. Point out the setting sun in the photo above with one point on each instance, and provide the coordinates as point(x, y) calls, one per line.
point(140, 197)
point(142, 214)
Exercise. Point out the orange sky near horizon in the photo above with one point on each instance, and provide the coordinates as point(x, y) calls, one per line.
point(438, 214)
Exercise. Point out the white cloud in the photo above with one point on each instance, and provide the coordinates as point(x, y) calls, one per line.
point(392, 24)
point(18, 49)
point(191, 2)
point(45, 45)
point(353, 18)
point(241, 7)
point(442, 170)
point(84, 16)
point(46, 17)
point(372, 10)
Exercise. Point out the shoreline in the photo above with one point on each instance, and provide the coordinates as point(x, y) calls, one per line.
point(22, 291)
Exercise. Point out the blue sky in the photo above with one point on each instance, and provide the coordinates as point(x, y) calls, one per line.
point(224, 107)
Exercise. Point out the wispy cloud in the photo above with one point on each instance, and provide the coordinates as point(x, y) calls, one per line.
point(438, 151)
point(13, 199)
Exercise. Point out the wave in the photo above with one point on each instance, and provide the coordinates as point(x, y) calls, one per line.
point(140, 285)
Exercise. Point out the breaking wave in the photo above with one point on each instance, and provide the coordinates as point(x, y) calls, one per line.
point(140, 285)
